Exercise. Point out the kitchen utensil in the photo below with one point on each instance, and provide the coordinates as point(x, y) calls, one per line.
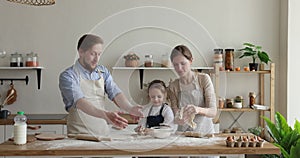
point(11, 95)
point(4, 114)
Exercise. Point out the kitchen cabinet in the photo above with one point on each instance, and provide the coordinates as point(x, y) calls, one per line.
point(262, 74)
point(26, 79)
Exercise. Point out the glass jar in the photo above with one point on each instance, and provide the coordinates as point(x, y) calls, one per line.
point(32, 60)
point(218, 58)
point(229, 59)
point(165, 62)
point(252, 97)
point(148, 60)
point(229, 103)
point(16, 60)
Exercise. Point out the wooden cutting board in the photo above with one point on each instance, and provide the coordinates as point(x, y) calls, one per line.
point(49, 136)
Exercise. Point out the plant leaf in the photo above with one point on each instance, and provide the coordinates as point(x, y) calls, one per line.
point(297, 126)
point(249, 44)
point(295, 150)
point(289, 140)
point(272, 130)
point(263, 56)
point(283, 151)
point(281, 125)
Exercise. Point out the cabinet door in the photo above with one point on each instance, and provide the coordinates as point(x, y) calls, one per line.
point(2, 131)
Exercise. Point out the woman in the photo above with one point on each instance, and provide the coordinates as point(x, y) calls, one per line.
point(192, 95)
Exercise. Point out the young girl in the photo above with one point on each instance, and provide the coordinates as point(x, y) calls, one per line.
point(157, 112)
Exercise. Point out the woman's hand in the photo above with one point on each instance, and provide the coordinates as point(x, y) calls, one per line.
point(116, 120)
point(191, 109)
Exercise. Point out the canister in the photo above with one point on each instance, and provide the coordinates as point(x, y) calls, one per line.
point(218, 57)
point(16, 60)
point(229, 103)
point(229, 59)
point(148, 60)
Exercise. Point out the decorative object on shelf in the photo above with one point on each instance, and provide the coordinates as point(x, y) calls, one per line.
point(229, 59)
point(238, 102)
point(131, 60)
point(34, 2)
point(254, 51)
point(229, 103)
point(285, 137)
point(2, 53)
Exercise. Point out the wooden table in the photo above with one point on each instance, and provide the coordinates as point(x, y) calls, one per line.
point(134, 146)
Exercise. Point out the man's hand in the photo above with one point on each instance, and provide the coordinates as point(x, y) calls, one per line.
point(136, 112)
point(115, 119)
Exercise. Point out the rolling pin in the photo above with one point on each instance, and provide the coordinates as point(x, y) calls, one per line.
point(89, 137)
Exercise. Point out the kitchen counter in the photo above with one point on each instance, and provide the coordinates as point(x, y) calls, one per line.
point(126, 143)
point(38, 119)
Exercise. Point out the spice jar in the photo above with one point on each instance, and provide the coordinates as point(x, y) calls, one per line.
point(16, 60)
point(218, 58)
point(252, 99)
point(229, 59)
point(148, 61)
point(165, 62)
point(221, 102)
point(31, 60)
point(229, 103)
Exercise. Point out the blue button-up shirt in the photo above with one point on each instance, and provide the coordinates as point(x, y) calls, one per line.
point(69, 83)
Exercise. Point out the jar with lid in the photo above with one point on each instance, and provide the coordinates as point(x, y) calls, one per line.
point(229, 59)
point(16, 60)
point(252, 97)
point(218, 58)
point(148, 60)
point(31, 60)
point(165, 62)
point(229, 103)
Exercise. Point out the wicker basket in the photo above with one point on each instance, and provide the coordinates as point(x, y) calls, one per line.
point(131, 63)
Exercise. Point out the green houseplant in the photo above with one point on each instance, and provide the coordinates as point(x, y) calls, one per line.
point(254, 51)
point(286, 138)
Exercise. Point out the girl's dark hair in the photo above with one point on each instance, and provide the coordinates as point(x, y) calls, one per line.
point(181, 50)
point(87, 41)
point(159, 85)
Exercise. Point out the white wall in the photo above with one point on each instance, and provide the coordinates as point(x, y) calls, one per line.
point(293, 63)
point(52, 32)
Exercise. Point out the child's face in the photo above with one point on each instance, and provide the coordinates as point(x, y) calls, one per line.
point(156, 96)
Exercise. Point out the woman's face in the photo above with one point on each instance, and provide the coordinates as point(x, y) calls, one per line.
point(181, 65)
point(89, 59)
point(156, 96)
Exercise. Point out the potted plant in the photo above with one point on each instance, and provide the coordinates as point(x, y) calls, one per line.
point(131, 60)
point(254, 51)
point(286, 138)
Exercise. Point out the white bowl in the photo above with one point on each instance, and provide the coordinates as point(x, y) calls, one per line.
point(161, 132)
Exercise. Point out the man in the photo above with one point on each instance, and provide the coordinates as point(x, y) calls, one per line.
point(83, 87)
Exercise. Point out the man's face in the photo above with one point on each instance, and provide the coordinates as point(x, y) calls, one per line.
point(89, 59)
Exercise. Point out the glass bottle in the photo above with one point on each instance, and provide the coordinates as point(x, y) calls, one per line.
point(148, 60)
point(252, 99)
point(229, 59)
point(20, 128)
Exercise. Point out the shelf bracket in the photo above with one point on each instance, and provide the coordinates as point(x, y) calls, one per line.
point(141, 71)
point(38, 75)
